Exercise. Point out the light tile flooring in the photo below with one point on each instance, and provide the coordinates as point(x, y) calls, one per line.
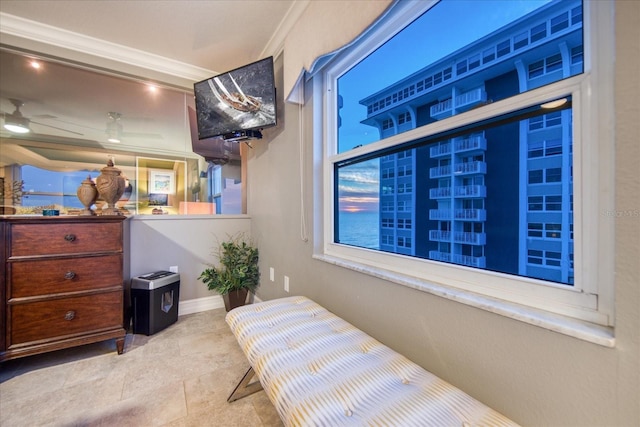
point(180, 376)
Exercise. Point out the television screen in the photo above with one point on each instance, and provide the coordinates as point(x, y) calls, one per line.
point(158, 199)
point(239, 100)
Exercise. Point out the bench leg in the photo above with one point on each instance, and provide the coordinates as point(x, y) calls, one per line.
point(244, 387)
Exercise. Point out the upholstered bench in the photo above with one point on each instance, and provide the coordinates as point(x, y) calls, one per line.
point(319, 370)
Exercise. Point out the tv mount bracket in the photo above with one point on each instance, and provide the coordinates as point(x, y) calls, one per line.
point(242, 135)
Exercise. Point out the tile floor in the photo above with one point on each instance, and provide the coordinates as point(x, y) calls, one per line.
point(180, 376)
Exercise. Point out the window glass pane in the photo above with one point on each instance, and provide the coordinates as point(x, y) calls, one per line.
point(538, 32)
point(45, 189)
point(454, 68)
point(463, 202)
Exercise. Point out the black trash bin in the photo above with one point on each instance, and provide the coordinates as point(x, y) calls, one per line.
point(154, 300)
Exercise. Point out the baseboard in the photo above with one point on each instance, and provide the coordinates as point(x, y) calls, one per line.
point(200, 304)
point(203, 304)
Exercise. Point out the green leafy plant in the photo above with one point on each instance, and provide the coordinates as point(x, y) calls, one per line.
point(238, 268)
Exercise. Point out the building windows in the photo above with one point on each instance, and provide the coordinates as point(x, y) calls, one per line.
point(404, 223)
point(559, 22)
point(488, 55)
point(538, 32)
point(553, 231)
point(535, 176)
point(504, 48)
point(577, 55)
point(490, 190)
point(534, 229)
point(520, 40)
point(545, 121)
point(553, 175)
point(553, 203)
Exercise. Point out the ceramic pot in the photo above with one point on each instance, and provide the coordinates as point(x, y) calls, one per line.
point(87, 194)
point(110, 184)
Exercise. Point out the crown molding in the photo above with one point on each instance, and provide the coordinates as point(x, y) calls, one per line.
point(33, 31)
point(275, 45)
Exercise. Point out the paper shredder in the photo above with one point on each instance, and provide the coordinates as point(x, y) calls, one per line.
point(154, 299)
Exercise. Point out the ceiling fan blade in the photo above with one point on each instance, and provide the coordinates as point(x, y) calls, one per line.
point(55, 127)
point(141, 135)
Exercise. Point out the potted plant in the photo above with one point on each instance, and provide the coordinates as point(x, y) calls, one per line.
point(237, 273)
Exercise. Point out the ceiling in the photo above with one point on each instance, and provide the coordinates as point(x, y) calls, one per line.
point(71, 104)
point(217, 35)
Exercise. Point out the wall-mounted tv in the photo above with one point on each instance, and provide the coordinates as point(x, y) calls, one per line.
point(239, 100)
point(158, 199)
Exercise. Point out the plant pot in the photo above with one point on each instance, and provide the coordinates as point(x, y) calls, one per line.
point(234, 299)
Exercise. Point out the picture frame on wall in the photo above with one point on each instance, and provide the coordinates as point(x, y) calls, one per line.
point(162, 181)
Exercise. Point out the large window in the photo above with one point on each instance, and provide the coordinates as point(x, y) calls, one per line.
point(472, 137)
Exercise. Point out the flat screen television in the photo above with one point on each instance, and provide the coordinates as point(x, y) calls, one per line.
point(237, 102)
point(158, 199)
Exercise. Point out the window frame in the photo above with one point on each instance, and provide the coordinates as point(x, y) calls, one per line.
point(585, 310)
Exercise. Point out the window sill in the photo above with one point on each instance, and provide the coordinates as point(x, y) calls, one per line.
point(579, 329)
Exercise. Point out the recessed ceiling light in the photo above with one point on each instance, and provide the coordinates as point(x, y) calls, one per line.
point(35, 64)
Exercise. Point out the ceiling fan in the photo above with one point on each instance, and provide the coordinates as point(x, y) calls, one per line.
point(17, 123)
point(115, 131)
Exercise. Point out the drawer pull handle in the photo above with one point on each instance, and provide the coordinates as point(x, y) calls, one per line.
point(69, 275)
point(69, 315)
point(70, 237)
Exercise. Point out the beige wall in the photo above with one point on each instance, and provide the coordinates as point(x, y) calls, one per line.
point(536, 377)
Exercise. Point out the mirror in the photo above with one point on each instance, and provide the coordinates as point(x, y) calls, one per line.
point(78, 117)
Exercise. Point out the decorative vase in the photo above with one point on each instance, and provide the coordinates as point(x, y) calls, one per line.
point(87, 194)
point(110, 186)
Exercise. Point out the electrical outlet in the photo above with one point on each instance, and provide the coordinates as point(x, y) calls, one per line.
point(286, 283)
point(173, 269)
point(272, 274)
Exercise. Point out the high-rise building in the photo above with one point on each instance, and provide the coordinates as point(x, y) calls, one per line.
point(438, 201)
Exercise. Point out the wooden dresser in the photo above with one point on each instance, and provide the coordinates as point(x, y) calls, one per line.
point(62, 283)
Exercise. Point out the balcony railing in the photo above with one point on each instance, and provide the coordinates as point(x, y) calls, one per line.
point(462, 102)
point(440, 193)
point(468, 260)
point(470, 214)
point(470, 191)
point(470, 238)
point(439, 236)
point(470, 144)
point(458, 214)
point(471, 261)
point(469, 99)
point(442, 149)
point(439, 171)
point(442, 108)
point(470, 167)
point(440, 214)
point(440, 256)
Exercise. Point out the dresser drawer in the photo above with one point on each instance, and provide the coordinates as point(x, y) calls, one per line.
point(62, 317)
point(51, 276)
point(64, 238)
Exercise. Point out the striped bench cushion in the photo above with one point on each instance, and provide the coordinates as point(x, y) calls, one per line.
point(319, 370)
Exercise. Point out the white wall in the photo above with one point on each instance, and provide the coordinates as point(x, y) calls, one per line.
point(535, 376)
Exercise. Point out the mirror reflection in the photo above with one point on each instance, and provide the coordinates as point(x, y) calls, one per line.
point(62, 122)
